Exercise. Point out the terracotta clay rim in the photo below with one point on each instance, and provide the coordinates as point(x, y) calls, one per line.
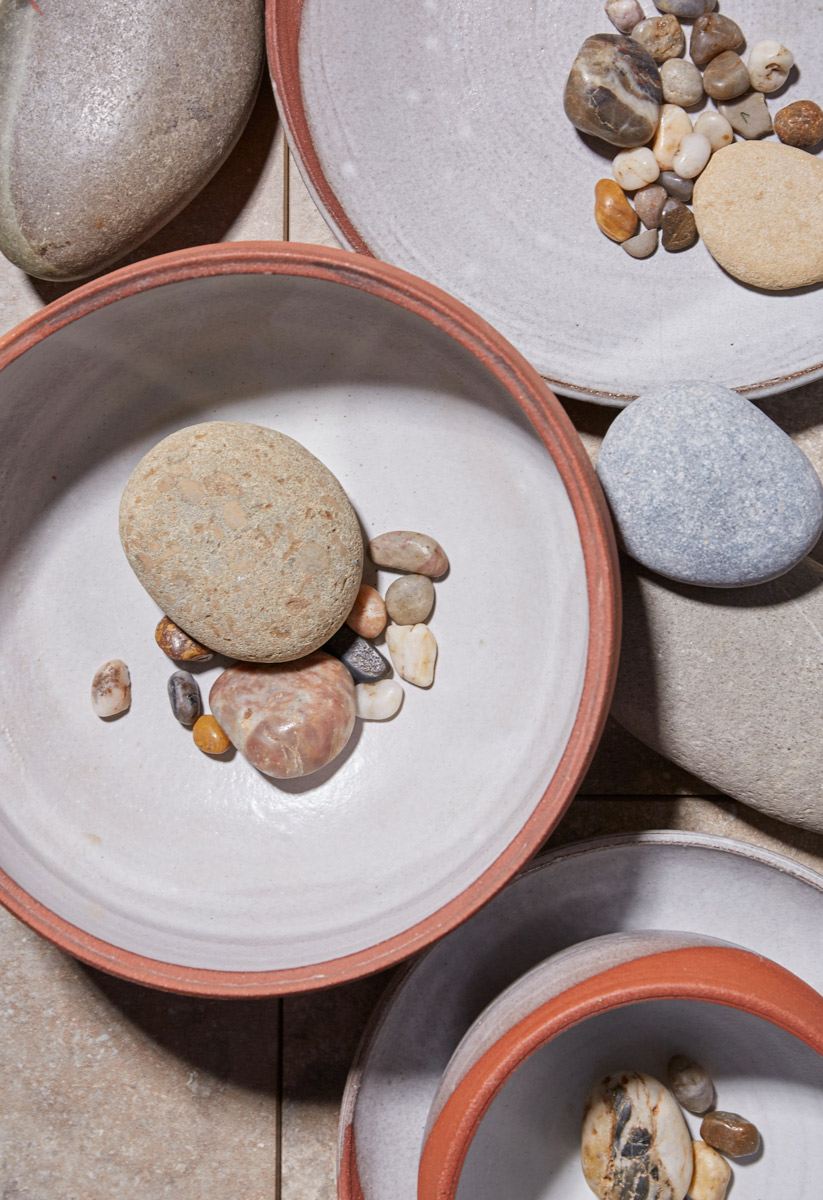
point(602, 576)
point(283, 23)
point(723, 975)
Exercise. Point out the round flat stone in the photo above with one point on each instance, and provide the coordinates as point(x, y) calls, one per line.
point(244, 539)
point(112, 117)
point(613, 91)
point(287, 719)
point(759, 210)
point(705, 489)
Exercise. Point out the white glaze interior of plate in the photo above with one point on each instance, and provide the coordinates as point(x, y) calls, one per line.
point(124, 828)
point(691, 882)
point(440, 128)
point(528, 1144)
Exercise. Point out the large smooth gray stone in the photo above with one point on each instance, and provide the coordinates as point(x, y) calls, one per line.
point(706, 489)
point(729, 684)
point(112, 117)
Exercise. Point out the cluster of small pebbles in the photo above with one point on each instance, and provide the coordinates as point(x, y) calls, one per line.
point(636, 1141)
point(632, 90)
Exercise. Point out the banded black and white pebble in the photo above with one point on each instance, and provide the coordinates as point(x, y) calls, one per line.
point(613, 91)
point(184, 697)
point(364, 662)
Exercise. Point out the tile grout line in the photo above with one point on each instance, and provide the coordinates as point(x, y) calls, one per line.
point(286, 198)
point(278, 1118)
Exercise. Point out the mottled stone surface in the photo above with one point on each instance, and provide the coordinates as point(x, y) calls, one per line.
point(368, 614)
point(690, 1083)
point(759, 209)
point(363, 660)
point(724, 684)
point(88, 172)
point(662, 37)
point(677, 225)
point(613, 90)
point(244, 538)
point(111, 688)
point(731, 1133)
point(635, 1141)
point(405, 550)
point(705, 489)
point(712, 34)
point(184, 697)
point(800, 124)
point(410, 600)
point(288, 719)
point(177, 644)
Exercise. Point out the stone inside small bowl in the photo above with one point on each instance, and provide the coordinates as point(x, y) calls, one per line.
point(120, 839)
point(521, 1112)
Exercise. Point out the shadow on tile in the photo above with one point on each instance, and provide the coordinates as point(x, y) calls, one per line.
point(233, 1040)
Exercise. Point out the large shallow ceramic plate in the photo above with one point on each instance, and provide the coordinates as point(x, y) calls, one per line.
point(432, 135)
point(680, 881)
point(121, 840)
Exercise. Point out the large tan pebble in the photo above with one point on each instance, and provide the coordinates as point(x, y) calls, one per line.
point(244, 539)
point(759, 210)
point(288, 719)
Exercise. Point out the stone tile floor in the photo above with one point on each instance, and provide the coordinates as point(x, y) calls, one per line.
point(110, 1089)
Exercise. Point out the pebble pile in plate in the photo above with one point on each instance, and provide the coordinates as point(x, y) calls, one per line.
point(636, 1143)
point(634, 90)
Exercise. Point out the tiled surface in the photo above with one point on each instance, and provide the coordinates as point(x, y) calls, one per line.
point(113, 1090)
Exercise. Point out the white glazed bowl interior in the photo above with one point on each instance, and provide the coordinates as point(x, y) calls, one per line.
point(124, 828)
point(528, 1144)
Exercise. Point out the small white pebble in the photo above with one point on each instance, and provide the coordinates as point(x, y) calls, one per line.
point(673, 126)
point(635, 168)
point(769, 65)
point(378, 701)
point(413, 651)
point(624, 14)
point(111, 689)
point(714, 126)
point(694, 152)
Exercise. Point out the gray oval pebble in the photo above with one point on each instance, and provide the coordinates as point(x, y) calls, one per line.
point(184, 697)
point(409, 600)
point(676, 186)
point(705, 489)
point(687, 9)
point(642, 245)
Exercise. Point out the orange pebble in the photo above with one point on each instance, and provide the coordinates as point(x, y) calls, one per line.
point(209, 737)
point(612, 211)
point(368, 614)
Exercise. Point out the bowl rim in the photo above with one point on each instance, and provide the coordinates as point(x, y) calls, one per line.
point(553, 426)
point(721, 974)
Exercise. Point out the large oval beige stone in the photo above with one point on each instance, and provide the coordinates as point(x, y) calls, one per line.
point(759, 210)
point(244, 538)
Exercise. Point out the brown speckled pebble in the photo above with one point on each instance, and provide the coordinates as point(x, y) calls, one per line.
point(287, 719)
point(648, 202)
point(759, 210)
point(244, 538)
point(209, 736)
point(730, 1133)
point(800, 124)
point(409, 600)
point(178, 645)
point(677, 226)
point(112, 117)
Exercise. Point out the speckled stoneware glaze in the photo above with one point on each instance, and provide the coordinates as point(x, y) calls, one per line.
point(435, 138)
point(662, 881)
point(624, 1001)
point(121, 841)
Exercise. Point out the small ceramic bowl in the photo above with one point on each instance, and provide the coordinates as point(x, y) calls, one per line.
point(120, 840)
point(507, 1117)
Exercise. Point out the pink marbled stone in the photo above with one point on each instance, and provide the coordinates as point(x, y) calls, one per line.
point(288, 719)
point(404, 550)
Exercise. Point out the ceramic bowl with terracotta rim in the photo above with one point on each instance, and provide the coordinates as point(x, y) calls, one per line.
point(119, 840)
point(507, 1116)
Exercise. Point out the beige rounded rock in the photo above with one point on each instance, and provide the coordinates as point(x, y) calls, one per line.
point(759, 210)
point(244, 539)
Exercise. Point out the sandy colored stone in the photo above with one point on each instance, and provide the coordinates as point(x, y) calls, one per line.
point(759, 209)
point(244, 539)
point(89, 172)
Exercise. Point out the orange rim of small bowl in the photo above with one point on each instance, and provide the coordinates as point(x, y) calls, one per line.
point(728, 976)
point(553, 426)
